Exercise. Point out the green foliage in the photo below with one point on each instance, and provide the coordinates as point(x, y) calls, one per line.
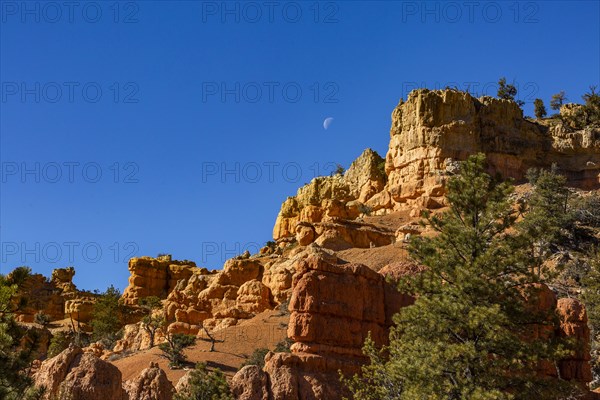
point(463, 336)
point(365, 209)
point(17, 348)
point(547, 215)
point(339, 170)
point(41, 318)
point(150, 302)
point(106, 318)
point(59, 342)
point(586, 210)
point(173, 348)
point(557, 100)
point(379, 378)
point(592, 106)
point(257, 357)
point(283, 346)
point(205, 385)
point(151, 321)
point(508, 91)
point(18, 276)
point(539, 108)
point(591, 298)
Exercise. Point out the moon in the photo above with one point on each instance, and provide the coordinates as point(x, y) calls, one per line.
point(327, 122)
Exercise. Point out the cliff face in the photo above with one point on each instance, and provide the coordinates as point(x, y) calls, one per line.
point(434, 129)
point(431, 131)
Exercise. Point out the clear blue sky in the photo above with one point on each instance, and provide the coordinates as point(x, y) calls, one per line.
point(117, 119)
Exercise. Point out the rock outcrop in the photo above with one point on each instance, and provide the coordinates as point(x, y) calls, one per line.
point(574, 324)
point(334, 306)
point(80, 309)
point(430, 133)
point(76, 375)
point(151, 384)
point(326, 200)
point(433, 130)
point(156, 277)
point(37, 294)
point(250, 383)
point(219, 299)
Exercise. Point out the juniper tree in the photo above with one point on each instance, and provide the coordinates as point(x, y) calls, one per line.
point(173, 348)
point(463, 338)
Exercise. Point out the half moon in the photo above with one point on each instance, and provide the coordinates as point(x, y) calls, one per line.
point(327, 122)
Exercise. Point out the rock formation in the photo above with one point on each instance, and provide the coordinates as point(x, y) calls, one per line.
point(573, 323)
point(37, 294)
point(335, 306)
point(155, 277)
point(76, 375)
point(433, 130)
point(151, 384)
point(319, 210)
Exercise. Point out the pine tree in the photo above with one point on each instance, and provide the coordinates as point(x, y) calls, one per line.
point(508, 91)
point(17, 350)
point(106, 318)
point(591, 298)
point(547, 215)
point(557, 100)
point(539, 108)
point(462, 339)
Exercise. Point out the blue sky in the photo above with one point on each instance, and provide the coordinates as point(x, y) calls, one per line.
point(138, 128)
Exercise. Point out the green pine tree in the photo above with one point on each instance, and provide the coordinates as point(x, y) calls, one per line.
point(463, 337)
point(106, 318)
point(17, 348)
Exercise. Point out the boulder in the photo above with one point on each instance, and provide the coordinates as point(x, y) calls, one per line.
point(76, 375)
point(151, 384)
point(250, 383)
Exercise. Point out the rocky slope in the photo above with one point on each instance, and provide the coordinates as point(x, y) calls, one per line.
point(340, 244)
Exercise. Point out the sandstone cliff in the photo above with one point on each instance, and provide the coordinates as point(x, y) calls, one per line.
point(431, 131)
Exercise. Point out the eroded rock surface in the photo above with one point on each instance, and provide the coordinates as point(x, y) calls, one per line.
point(76, 375)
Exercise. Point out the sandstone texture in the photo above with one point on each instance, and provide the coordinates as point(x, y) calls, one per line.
point(152, 384)
point(76, 375)
point(334, 306)
point(574, 324)
point(430, 133)
point(433, 130)
point(319, 208)
point(155, 277)
point(37, 294)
